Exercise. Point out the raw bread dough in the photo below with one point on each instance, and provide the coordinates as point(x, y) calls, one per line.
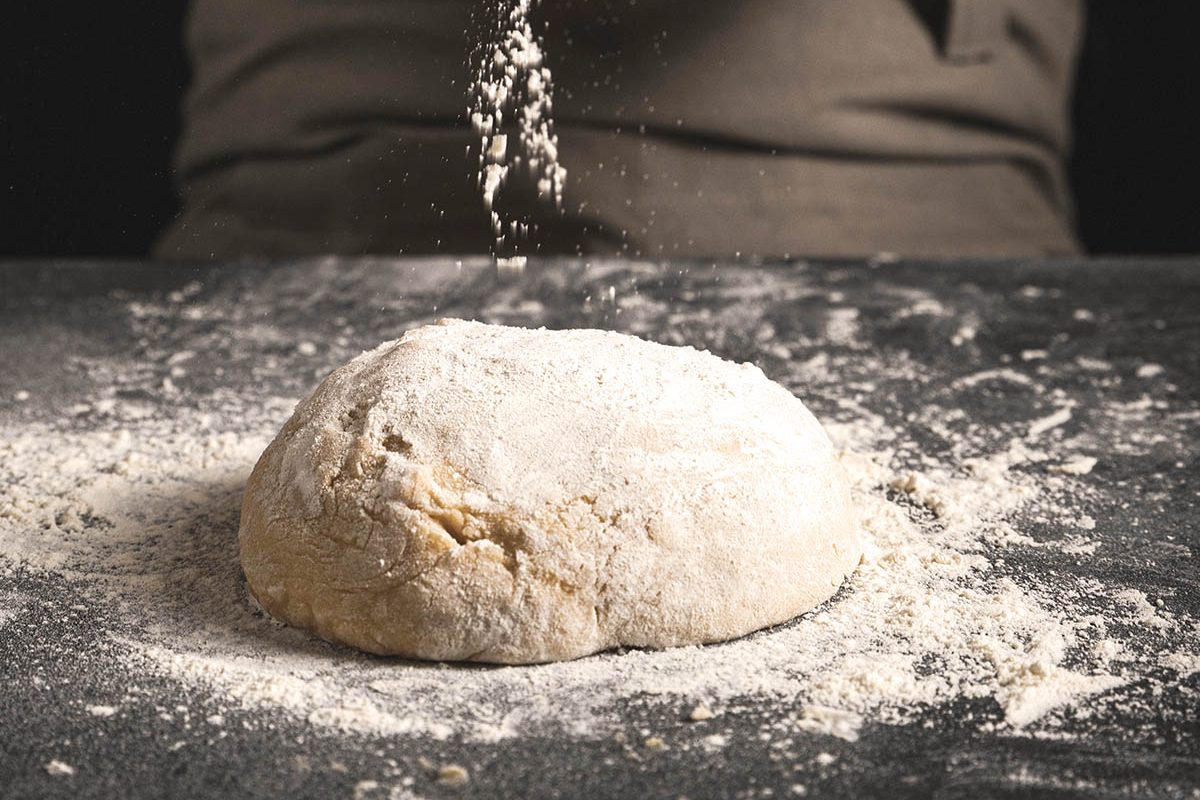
point(499, 494)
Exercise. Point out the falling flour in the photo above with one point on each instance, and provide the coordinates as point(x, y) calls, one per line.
point(511, 79)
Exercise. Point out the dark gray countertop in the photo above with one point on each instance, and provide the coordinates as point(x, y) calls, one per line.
point(68, 329)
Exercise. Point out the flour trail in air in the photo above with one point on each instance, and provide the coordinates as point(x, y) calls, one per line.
point(511, 110)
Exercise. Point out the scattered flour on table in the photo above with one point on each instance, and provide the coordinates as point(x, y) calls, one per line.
point(101, 711)
point(144, 516)
point(136, 502)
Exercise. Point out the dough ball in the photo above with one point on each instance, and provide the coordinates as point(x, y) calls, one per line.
point(499, 494)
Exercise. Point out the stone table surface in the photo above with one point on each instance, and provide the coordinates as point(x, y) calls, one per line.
point(1103, 332)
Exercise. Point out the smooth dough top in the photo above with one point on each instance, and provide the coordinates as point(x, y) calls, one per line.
point(500, 494)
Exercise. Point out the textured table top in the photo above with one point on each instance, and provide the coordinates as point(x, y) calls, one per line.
point(1098, 358)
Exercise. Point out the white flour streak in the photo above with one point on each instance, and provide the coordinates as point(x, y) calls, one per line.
point(1060, 417)
point(511, 73)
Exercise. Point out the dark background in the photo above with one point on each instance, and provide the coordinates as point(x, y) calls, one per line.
point(89, 114)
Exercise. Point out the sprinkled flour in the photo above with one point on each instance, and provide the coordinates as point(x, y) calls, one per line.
point(511, 73)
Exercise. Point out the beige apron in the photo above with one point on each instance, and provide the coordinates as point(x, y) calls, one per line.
point(756, 127)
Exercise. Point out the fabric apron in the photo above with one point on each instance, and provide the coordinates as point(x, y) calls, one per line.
point(755, 128)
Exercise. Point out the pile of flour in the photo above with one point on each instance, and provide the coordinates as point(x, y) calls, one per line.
point(140, 507)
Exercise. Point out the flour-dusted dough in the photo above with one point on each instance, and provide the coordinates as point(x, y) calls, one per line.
point(499, 494)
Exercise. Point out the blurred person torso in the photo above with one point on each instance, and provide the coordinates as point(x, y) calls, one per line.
point(753, 128)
